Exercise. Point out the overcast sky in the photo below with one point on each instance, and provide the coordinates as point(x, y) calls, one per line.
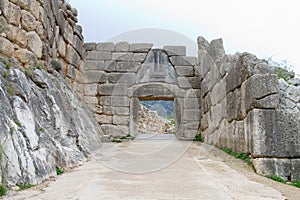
point(265, 28)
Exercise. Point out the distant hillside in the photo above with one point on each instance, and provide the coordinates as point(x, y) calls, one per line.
point(163, 108)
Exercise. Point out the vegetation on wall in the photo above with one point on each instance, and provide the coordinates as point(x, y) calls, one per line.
point(281, 68)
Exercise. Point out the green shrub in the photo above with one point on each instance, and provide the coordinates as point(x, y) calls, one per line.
point(296, 184)
point(56, 65)
point(5, 73)
point(277, 178)
point(25, 186)
point(198, 137)
point(36, 170)
point(283, 73)
point(28, 72)
point(8, 65)
point(18, 123)
point(39, 67)
point(59, 170)
point(11, 130)
point(243, 156)
point(11, 90)
point(42, 129)
point(3, 190)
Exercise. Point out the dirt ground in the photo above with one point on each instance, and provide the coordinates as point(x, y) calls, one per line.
point(160, 168)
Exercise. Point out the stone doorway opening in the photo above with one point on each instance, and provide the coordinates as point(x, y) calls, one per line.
point(156, 93)
point(156, 116)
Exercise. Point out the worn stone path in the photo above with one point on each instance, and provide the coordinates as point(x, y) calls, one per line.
point(156, 167)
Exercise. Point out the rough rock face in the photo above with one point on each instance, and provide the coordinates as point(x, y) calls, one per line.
point(37, 32)
point(43, 125)
point(244, 107)
point(151, 122)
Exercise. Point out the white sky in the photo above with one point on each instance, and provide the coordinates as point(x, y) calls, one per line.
point(265, 28)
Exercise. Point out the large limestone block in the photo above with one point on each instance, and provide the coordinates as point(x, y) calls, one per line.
point(183, 60)
point(191, 125)
point(93, 65)
point(246, 66)
point(217, 114)
point(68, 33)
point(98, 55)
point(191, 114)
point(11, 12)
point(283, 85)
point(275, 134)
point(205, 62)
point(90, 46)
point(72, 56)
point(78, 45)
point(115, 130)
point(117, 101)
point(122, 111)
point(234, 110)
point(15, 34)
point(123, 66)
point(94, 76)
point(216, 49)
point(34, 43)
point(127, 78)
point(122, 56)
point(193, 93)
point(153, 90)
point(110, 66)
point(112, 89)
point(90, 89)
point(273, 166)
point(90, 100)
point(205, 120)
point(184, 71)
point(140, 47)
point(192, 103)
point(121, 120)
point(105, 46)
point(28, 22)
point(104, 119)
point(295, 170)
point(189, 134)
point(260, 91)
point(175, 50)
point(6, 47)
point(139, 57)
point(218, 92)
point(122, 46)
point(25, 57)
point(212, 77)
point(61, 46)
point(238, 137)
point(189, 82)
point(293, 93)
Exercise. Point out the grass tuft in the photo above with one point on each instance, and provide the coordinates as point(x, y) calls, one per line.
point(296, 184)
point(198, 137)
point(3, 190)
point(242, 156)
point(25, 186)
point(59, 170)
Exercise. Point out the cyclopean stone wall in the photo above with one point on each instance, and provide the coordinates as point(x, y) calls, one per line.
point(37, 32)
point(118, 75)
point(243, 107)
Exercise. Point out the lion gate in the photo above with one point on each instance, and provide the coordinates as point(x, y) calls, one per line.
point(118, 76)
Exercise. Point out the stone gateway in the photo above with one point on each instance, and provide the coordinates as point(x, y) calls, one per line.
point(48, 74)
